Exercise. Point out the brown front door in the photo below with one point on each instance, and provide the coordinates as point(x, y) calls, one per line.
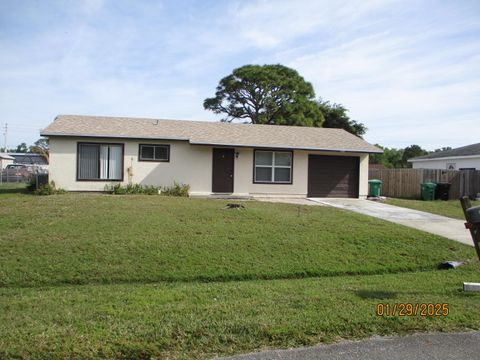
point(333, 176)
point(222, 177)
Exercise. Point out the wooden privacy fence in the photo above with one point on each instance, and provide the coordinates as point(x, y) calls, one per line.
point(405, 183)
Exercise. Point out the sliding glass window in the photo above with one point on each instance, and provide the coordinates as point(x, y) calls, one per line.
point(100, 161)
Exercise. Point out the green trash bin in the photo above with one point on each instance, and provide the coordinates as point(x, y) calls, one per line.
point(428, 191)
point(375, 187)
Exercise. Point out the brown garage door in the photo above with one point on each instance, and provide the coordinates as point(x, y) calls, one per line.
point(333, 176)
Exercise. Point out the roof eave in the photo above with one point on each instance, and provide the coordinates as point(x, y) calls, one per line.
point(211, 143)
point(6, 157)
point(284, 147)
point(113, 136)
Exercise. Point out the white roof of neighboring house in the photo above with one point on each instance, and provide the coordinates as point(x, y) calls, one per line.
point(209, 133)
point(6, 157)
point(461, 152)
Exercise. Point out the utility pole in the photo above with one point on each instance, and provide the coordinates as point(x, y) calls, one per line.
point(4, 150)
point(5, 132)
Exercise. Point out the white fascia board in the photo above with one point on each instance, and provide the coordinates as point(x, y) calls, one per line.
point(113, 136)
point(289, 147)
point(110, 136)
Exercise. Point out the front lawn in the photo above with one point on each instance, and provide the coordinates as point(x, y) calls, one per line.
point(450, 208)
point(200, 320)
point(87, 276)
point(91, 239)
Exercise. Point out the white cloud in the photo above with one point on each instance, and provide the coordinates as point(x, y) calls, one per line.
point(91, 6)
point(407, 89)
point(272, 23)
point(409, 70)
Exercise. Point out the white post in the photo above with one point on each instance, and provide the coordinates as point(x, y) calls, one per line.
point(468, 286)
point(5, 132)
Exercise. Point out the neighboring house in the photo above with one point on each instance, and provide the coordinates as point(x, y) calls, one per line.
point(5, 160)
point(89, 152)
point(28, 158)
point(462, 158)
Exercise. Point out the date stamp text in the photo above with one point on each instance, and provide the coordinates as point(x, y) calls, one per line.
point(412, 309)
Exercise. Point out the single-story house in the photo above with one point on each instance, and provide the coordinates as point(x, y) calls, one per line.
point(28, 158)
point(5, 160)
point(89, 152)
point(462, 158)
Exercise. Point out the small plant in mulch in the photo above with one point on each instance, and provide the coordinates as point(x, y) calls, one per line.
point(132, 189)
point(176, 189)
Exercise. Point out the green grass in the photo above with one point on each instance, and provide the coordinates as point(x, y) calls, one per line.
point(91, 239)
point(12, 189)
point(450, 208)
point(88, 276)
point(200, 320)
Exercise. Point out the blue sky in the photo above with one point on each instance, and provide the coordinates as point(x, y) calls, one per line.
point(409, 70)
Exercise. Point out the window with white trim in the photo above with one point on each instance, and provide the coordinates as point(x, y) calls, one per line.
point(148, 152)
point(273, 167)
point(100, 161)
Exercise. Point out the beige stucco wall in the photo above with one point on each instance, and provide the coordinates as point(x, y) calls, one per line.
point(189, 164)
point(243, 183)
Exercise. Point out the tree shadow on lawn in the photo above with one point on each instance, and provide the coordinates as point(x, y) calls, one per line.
point(13, 188)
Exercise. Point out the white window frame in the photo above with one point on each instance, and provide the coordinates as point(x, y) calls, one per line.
point(273, 167)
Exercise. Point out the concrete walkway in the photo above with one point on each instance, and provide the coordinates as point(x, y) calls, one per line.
point(438, 346)
point(440, 225)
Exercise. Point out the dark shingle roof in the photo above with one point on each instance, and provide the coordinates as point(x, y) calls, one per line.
point(468, 150)
point(28, 158)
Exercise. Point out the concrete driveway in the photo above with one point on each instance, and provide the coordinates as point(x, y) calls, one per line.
point(458, 346)
point(440, 225)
